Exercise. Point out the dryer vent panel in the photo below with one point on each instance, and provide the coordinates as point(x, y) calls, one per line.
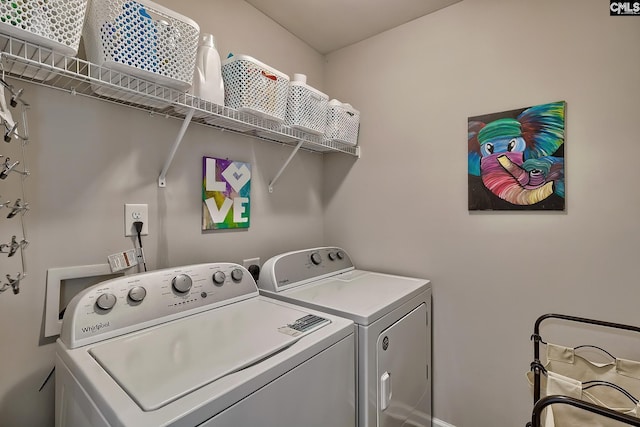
point(63, 284)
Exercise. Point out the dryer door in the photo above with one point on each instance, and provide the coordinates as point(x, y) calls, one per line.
point(402, 360)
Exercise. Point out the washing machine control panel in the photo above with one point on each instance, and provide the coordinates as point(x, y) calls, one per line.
point(138, 301)
point(299, 267)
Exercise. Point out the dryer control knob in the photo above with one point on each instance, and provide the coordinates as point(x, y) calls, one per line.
point(181, 283)
point(218, 277)
point(236, 275)
point(316, 258)
point(137, 293)
point(340, 254)
point(332, 256)
point(106, 301)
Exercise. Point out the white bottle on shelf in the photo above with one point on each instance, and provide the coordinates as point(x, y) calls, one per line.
point(207, 79)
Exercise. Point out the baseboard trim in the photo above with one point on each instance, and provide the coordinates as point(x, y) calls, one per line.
point(440, 423)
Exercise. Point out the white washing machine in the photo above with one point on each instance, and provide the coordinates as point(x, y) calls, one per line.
point(393, 319)
point(198, 346)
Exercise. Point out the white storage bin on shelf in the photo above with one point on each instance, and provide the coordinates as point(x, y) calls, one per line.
point(306, 106)
point(142, 39)
point(343, 123)
point(54, 25)
point(253, 87)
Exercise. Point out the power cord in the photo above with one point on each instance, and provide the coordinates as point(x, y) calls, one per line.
point(255, 271)
point(138, 227)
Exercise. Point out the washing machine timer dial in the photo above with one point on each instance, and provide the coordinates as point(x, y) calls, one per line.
point(106, 301)
point(137, 293)
point(236, 275)
point(219, 277)
point(181, 283)
point(316, 259)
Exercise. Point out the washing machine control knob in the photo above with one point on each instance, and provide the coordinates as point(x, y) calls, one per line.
point(236, 275)
point(340, 254)
point(332, 256)
point(137, 293)
point(316, 258)
point(218, 277)
point(106, 301)
point(181, 283)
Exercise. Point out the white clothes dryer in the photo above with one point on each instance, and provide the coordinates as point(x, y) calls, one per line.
point(198, 346)
point(393, 324)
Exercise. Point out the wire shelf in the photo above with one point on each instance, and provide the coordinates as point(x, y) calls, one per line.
point(36, 64)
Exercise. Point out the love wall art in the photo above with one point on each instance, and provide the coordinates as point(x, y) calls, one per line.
point(226, 188)
point(516, 159)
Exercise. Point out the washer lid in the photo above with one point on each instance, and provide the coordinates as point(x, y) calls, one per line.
point(361, 296)
point(159, 365)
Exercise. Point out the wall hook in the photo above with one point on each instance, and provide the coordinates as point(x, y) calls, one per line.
point(12, 248)
point(16, 95)
point(10, 131)
point(8, 167)
point(17, 207)
point(15, 283)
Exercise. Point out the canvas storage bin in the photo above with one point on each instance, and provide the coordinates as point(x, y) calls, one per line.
point(306, 107)
point(611, 385)
point(142, 39)
point(253, 87)
point(55, 25)
point(343, 123)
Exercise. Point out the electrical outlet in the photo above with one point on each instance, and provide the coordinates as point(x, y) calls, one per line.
point(250, 261)
point(133, 213)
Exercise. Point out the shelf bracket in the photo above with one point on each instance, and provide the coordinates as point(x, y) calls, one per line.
point(162, 179)
point(293, 153)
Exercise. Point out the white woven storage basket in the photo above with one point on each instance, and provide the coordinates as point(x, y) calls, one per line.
point(53, 24)
point(343, 122)
point(143, 39)
point(253, 87)
point(306, 108)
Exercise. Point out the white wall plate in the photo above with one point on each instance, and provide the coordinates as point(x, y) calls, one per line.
point(83, 276)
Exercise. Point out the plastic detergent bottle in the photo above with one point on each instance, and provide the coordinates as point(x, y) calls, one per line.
point(207, 81)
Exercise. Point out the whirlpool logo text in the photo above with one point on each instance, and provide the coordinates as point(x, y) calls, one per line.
point(621, 8)
point(95, 328)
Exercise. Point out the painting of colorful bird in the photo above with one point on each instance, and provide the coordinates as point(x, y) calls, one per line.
point(516, 159)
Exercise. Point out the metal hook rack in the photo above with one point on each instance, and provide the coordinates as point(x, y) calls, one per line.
point(20, 206)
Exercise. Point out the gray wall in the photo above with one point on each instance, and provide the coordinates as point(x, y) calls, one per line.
point(88, 158)
point(402, 208)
